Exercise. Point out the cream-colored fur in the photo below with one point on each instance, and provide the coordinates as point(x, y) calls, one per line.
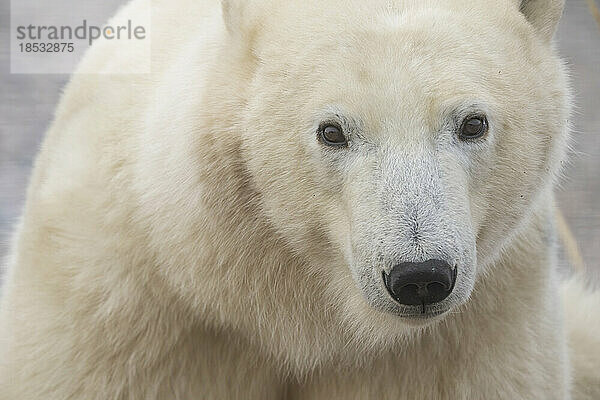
point(186, 237)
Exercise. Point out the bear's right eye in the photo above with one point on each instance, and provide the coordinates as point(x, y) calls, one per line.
point(332, 135)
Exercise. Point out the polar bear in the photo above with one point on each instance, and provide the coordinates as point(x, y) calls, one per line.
point(307, 200)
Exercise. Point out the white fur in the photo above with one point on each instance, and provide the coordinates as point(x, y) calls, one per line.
point(186, 236)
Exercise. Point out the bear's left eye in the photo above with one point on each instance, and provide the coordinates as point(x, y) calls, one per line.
point(331, 134)
point(473, 127)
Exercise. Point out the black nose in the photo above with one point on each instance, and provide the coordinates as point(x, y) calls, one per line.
point(420, 283)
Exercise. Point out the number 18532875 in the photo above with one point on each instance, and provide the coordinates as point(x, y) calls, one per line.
point(43, 47)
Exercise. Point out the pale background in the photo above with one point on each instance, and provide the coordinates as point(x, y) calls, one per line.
point(27, 103)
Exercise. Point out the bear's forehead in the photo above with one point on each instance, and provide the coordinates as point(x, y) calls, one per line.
point(378, 73)
point(422, 47)
point(403, 34)
point(421, 41)
point(417, 62)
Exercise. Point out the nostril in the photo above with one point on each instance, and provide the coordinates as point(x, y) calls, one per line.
point(435, 287)
point(420, 283)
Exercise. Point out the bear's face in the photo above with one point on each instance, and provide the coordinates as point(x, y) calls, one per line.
point(403, 147)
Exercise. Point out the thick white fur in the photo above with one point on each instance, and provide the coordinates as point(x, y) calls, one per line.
point(582, 324)
point(186, 237)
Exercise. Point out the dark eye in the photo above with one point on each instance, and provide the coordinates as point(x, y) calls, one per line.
point(332, 135)
point(473, 127)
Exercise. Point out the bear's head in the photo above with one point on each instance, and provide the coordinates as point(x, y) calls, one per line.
point(401, 144)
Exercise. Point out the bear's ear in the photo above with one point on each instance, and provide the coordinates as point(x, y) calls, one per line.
point(233, 11)
point(543, 15)
point(241, 16)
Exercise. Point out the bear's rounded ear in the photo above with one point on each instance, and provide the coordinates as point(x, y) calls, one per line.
point(232, 10)
point(543, 15)
point(240, 16)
